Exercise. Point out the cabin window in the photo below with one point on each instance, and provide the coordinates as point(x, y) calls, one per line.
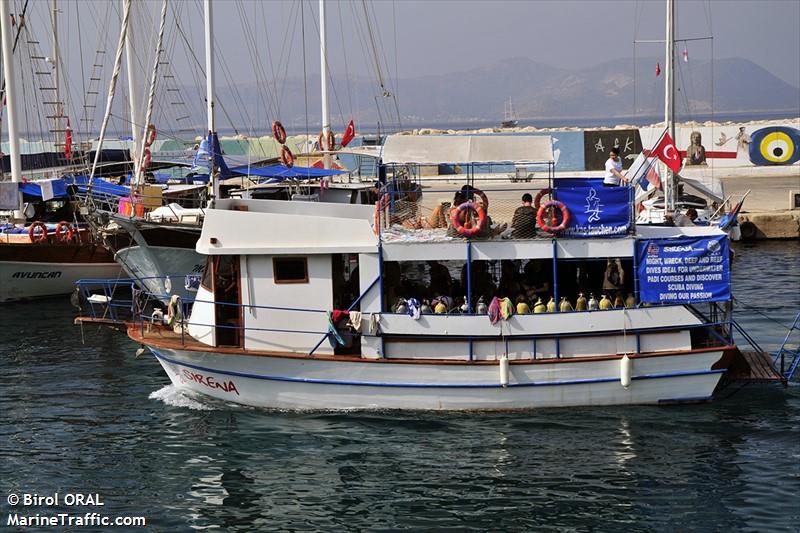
point(290, 269)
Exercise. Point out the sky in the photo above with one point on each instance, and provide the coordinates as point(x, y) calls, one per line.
point(266, 41)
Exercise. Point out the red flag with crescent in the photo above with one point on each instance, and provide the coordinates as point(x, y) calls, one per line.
point(68, 141)
point(349, 133)
point(668, 153)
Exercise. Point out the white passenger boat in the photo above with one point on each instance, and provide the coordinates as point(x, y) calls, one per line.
point(297, 307)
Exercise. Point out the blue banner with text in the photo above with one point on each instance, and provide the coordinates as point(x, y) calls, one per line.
point(685, 270)
point(596, 211)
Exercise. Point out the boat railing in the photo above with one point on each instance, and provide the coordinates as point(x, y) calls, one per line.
point(495, 210)
point(787, 359)
point(120, 301)
point(143, 205)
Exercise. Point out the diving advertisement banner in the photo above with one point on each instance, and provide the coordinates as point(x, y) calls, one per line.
point(685, 270)
point(596, 211)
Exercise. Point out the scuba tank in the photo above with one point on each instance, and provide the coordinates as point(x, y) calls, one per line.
point(630, 301)
point(523, 308)
point(551, 306)
point(605, 303)
point(480, 307)
point(564, 306)
point(580, 304)
point(619, 302)
point(539, 307)
point(592, 304)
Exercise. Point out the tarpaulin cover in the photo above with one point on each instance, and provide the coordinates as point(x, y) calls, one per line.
point(568, 183)
point(280, 171)
point(685, 270)
point(596, 211)
point(32, 188)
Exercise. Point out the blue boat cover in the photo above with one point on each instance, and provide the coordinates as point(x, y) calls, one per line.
point(280, 172)
point(32, 188)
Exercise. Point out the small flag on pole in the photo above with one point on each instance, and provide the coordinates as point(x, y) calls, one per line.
point(349, 133)
point(658, 69)
point(685, 55)
point(667, 152)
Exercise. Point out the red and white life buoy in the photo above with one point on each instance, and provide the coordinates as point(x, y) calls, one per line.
point(327, 142)
point(462, 228)
point(279, 132)
point(549, 228)
point(64, 232)
point(287, 158)
point(537, 201)
point(37, 237)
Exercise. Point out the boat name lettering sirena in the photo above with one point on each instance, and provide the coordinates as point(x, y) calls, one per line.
point(209, 381)
point(36, 275)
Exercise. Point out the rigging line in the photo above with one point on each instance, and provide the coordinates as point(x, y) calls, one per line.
point(344, 57)
point(374, 47)
point(269, 62)
point(396, 65)
point(252, 49)
point(329, 76)
point(297, 8)
point(305, 75)
point(362, 40)
point(386, 62)
point(203, 72)
point(83, 67)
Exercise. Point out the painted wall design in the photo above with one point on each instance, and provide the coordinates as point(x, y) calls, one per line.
point(597, 143)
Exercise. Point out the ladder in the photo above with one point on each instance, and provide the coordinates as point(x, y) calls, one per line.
point(787, 355)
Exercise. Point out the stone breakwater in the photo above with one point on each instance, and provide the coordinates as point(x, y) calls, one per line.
point(770, 225)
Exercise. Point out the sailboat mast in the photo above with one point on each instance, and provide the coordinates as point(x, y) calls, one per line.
point(669, 102)
point(59, 108)
point(132, 103)
point(11, 100)
point(208, 12)
point(323, 59)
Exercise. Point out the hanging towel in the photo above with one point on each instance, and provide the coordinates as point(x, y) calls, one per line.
point(339, 314)
point(414, 309)
point(506, 308)
point(494, 310)
point(374, 321)
point(333, 334)
point(355, 321)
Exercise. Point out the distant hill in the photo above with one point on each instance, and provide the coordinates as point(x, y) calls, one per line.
point(537, 91)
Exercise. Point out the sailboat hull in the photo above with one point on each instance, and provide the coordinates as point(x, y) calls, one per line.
point(27, 280)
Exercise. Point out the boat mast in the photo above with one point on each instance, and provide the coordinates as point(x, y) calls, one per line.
point(132, 104)
point(112, 87)
point(323, 59)
point(59, 108)
point(210, 98)
point(669, 103)
point(11, 101)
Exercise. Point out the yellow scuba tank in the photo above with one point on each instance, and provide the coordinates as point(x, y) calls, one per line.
point(539, 307)
point(551, 306)
point(523, 308)
point(605, 303)
point(564, 306)
point(630, 301)
point(580, 305)
point(619, 303)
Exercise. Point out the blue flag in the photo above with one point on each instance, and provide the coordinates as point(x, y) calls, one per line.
point(596, 211)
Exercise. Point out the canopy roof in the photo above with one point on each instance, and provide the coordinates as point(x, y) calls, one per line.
point(434, 149)
point(284, 172)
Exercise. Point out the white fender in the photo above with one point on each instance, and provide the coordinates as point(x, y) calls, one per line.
point(625, 371)
point(504, 371)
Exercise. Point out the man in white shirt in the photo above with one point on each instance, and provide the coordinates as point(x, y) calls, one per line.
point(613, 176)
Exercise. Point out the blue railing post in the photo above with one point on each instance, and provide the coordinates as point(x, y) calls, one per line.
point(469, 278)
point(555, 274)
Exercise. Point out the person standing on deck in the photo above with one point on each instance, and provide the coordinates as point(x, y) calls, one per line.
point(613, 176)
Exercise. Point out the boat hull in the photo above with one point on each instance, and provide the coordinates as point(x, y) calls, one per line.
point(319, 384)
point(22, 280)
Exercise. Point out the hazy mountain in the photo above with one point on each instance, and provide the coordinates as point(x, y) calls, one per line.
point(538, 91)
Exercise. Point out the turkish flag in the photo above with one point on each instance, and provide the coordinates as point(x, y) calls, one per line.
point(658, 69)
point(349, 133)
point(667, 153)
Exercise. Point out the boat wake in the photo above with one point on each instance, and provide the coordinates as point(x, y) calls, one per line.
point(175, 397)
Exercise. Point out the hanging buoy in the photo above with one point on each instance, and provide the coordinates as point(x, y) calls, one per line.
point(279, 132)
point(504, 370)
point(625, 371)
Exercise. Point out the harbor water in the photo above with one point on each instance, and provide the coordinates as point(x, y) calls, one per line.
point(91, 418)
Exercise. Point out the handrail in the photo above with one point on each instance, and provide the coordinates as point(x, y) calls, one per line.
point(788, 374)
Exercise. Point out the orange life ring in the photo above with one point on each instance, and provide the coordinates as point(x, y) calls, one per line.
point(287, 158)
point(564, 217)
point(279, 132)
point(66, 235)
point(539, 195)
point(331, 138)
point(461, 228)
point(151, 135)
point(42, 236)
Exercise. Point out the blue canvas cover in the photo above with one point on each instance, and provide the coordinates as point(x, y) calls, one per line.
point(684, 270)
point(279, 172)
point(33, 189)
point(596, 211)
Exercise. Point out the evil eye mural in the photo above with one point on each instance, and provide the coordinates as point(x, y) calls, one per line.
point(775, 145)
